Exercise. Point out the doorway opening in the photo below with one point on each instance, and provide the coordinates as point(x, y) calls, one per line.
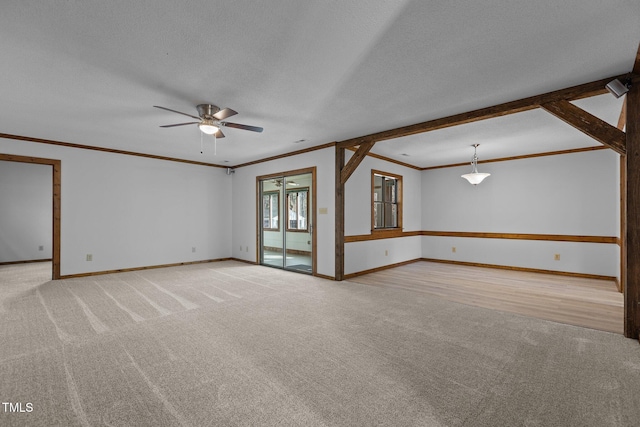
point(55, 203)
point(286, 223)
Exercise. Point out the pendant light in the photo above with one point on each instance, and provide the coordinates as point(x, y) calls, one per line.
point(475, 177)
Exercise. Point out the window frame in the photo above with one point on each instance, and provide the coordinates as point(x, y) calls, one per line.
point(398, 203)
point(270, 194)
point(298, 190)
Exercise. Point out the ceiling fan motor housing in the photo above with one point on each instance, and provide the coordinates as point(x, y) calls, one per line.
point(206, 111)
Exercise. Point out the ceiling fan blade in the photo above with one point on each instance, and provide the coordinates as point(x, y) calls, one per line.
point(179, 124)
point(219, 134)
point(223, 114)
point(245, 127)
point(174, 111)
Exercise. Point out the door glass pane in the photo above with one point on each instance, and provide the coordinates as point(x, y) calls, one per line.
point(272, 234)
point(298, 236)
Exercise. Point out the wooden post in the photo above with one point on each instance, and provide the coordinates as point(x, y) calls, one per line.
point(632, 273)
point(57, 206)
point(339, 203)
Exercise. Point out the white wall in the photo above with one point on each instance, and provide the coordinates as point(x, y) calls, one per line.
point(132, 211)
point(26, 205)
point(245, 232)
point(570, 194)
point(366, 255)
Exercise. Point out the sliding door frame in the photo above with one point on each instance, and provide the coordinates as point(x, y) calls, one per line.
point(285, 174)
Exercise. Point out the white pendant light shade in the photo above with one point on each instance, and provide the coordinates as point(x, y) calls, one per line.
point(475, 177)
point(208, 127)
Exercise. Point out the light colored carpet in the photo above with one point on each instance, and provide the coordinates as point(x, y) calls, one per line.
point(226, 344)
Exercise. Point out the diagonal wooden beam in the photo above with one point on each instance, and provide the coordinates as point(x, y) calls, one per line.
point(355, 160)
point(622, 120)
point(572, 93)
point(589, 124)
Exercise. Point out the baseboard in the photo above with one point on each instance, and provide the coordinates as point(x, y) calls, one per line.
point(243, 260)
point(323, 276)
point(529, 270)
point(149, 267)
point(289, 251)
point(384, 267)
point(25, 262)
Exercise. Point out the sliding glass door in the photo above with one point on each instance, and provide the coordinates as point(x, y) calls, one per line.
point(286, 221)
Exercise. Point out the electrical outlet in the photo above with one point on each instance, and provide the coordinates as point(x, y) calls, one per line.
point(89, 257)
point(41, 248)
point(453, 249)
point(556, 257)
point(386, 252)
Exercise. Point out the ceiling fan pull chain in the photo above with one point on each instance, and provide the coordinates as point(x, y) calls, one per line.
point(201, 145)
point(215, 145)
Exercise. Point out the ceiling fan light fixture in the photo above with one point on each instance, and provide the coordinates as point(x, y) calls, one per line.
point(208, 127)
point(475, 177)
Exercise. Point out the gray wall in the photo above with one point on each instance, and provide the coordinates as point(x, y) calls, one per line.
point(129, 211)
point(571, 194)
point(25, 211)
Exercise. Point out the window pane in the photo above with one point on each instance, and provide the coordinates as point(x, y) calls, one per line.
point(390, 190)
point(274, 211)
point(389, 215)
point(302, 210)
point(293, 210)
point(377, 188)
point(378, 213)
point(386, 205)
point(265, 210)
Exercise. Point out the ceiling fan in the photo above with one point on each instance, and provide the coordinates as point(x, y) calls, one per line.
point(278, 183)
point(210, 120)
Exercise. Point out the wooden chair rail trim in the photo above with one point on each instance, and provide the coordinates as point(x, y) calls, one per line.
point(524, 236)
point(392, 234)
point(381, 234)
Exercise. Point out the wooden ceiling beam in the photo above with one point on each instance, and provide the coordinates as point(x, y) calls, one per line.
point(572, 93)
point(589, 124)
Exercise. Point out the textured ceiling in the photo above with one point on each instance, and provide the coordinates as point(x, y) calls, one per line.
point(88, 72)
